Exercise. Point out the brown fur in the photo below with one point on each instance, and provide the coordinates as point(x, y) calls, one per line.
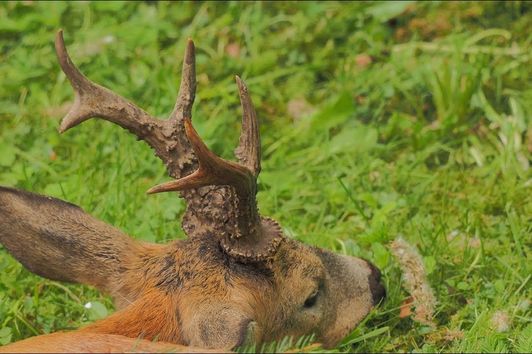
point(188, 292)
point(78, 342)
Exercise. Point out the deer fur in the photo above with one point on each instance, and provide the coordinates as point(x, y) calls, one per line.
point(235, 280)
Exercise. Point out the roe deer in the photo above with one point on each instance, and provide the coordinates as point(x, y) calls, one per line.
point(236, 278)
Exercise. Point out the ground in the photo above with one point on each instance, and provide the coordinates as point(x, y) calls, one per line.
point(379, 120)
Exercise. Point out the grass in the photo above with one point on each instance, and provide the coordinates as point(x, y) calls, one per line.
point(378, 120)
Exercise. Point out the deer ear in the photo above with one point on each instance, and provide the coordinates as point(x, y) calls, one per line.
point(221, 327)
point(59, 241)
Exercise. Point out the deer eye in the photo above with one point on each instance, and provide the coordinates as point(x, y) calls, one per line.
point(311, 300)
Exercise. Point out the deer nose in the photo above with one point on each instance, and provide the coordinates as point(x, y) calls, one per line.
point(378, 292)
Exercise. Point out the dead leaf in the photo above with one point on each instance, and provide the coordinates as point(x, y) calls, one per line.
point(501, 321)
point(451, 335)
point(361, 100)
point(406, 307)
point(299, 107)
point(233, 50)
point(374, 176)
point(444, 334)
point(363, 60)
point(401, 34)
point(415, 281)
point(203, 79)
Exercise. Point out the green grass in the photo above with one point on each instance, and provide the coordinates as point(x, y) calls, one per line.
point(430, 139)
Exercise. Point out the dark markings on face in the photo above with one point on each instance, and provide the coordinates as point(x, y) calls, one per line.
point(334, 264)
point(174, 272)
point(310, 271)
point(285, 261)
point(326, 257)
point(210, 252)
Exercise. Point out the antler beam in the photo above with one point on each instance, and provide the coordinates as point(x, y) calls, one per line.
point(93, 100)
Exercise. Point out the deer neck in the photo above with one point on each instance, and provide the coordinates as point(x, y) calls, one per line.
point(153, 317)
point(141, 271)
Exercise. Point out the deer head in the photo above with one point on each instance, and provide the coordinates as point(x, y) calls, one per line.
point(236, 278)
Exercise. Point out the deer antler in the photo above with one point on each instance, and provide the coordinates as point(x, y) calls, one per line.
point(220, 194)
point(262, 236)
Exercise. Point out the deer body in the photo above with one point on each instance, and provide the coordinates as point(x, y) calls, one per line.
point(236, 279)
point(79, 342)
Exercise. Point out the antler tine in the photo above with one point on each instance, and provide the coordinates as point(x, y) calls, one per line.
point(93, 100)
point(212, 170)
point(248, 237)
point(187, 89)
point(248, 151)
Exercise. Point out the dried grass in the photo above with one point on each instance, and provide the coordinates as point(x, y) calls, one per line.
point(500, 321)
point(415, 281)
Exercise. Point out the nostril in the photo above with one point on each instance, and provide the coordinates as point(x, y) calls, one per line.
point(378, 292)
point(375, 272)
